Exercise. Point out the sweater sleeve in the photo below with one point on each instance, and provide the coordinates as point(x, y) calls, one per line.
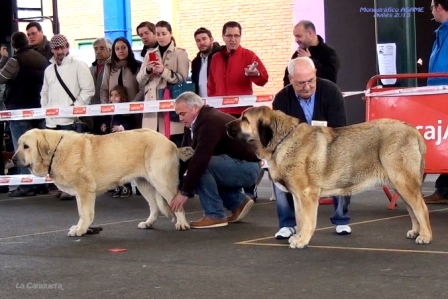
point(335, 107)
point(9, 71)
point(207, 140)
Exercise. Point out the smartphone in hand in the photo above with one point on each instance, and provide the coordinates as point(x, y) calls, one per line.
point(152, 56)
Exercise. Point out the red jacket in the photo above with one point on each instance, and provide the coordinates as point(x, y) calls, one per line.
point(230, 80)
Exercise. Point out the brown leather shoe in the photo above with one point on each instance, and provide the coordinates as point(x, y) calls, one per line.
point(435, 198)
point(206, 222)
point(241, 211)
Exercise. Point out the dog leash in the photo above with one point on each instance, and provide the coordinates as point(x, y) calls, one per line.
point(52, 156)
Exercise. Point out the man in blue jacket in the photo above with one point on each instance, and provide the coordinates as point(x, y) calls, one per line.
point(438, 63)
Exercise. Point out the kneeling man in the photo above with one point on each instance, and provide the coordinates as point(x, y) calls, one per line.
point(219, 168)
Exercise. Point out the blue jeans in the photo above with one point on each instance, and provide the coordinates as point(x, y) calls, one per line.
point(442, 185)
point(222, 183)
point(286, 215)
point(18, 128)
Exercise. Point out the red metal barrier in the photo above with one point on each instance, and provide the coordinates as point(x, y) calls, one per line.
point(427, 112)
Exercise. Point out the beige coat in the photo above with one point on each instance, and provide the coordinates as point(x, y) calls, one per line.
point(176, 60)
point(110, 80)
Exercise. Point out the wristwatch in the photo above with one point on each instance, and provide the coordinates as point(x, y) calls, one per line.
point(185, 193)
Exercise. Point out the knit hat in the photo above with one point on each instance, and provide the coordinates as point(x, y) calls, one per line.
point(58, 40)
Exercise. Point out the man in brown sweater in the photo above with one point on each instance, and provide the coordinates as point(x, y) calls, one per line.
point(219, 168)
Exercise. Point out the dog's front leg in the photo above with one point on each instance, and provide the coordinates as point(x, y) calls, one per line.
point(305, 207)
point(86, 211)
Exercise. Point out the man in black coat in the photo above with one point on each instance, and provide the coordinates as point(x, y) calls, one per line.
point(38, 40)
point(201, 63)
point(23, 75)
point(310, 99)
point(312, 45)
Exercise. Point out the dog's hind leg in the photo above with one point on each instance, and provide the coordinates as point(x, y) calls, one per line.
point(305, 206)
point(86, 211)
point(149, 193)
point(409, 188)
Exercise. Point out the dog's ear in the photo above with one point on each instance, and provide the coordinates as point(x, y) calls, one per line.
point(43, 147)
point(264, 132)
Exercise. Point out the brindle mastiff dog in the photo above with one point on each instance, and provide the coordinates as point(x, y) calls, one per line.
point(311, 161)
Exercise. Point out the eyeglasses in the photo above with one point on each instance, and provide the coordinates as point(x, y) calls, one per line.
point(301, 84)
point(230, 36)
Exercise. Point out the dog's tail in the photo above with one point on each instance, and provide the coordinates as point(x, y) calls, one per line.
point(422, 150)
point(163, 206)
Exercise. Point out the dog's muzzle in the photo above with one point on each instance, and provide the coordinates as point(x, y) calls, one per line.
point(232, 129)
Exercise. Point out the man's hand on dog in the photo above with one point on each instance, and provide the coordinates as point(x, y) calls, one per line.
point(178, 202)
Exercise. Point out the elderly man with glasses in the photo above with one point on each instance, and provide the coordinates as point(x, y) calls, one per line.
point(316, 101)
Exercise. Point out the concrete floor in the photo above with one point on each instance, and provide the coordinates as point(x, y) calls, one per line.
point(39, 260)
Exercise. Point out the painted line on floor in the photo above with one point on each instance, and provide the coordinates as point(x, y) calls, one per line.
point(67, 229)
point(254, 241)
point(388, 250)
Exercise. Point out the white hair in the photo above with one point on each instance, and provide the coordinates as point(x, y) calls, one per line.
point(293, 62)
point(106, 41)
point(189, 98)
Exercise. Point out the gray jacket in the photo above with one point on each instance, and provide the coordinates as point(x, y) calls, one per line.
point(97, 80)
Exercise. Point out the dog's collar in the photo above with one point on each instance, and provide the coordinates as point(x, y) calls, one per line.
point(284, 137)
point(52, 156)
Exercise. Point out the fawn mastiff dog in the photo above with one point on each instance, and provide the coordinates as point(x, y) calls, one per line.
point(310, 161)
point(85, 165)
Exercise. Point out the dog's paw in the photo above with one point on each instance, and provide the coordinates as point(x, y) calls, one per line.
point(411, 234)
point(144, 225)
point(422, 240)
point(182, 226)
point(76, 232)
point(297, 242)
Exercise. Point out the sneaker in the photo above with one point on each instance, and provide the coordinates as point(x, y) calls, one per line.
point(117, 192)
point(343, 230)
point(125, 191)
point(285, 233)
point(206, 222)
point(241, 211)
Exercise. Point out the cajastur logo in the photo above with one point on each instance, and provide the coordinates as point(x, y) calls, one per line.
point(52, 112)
point(5, 180)
point(230, 101)
point(107, 109)
point(5, 114)
point(166, 105)
point(136, 107)
point(438, 133)
point(262, 99)
point(26, 180)
point(28, 113)
point(79, 110)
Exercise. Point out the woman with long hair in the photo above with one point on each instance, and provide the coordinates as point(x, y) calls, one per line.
point(122, 70)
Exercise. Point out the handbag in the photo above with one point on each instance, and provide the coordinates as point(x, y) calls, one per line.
point(84, 124)
point(182, 86)
point(173, 90)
